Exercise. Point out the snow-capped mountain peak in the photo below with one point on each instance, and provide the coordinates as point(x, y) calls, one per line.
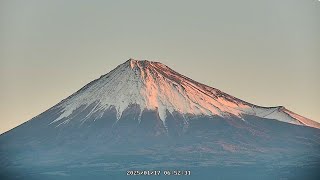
point(155, 86)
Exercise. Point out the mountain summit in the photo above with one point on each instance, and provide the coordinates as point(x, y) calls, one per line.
point(155, 86)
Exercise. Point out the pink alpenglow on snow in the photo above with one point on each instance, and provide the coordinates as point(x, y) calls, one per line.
point(155, 86)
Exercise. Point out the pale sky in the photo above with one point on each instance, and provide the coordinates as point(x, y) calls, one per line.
point(264, 52)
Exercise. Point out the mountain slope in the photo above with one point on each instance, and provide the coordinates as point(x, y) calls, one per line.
point(154, 86)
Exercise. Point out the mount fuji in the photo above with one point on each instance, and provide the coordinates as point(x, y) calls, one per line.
point(143, 116)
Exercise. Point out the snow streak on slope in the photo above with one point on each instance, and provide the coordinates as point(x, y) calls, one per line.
point(155, 86)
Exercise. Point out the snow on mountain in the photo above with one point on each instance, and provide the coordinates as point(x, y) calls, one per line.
point(155, 86)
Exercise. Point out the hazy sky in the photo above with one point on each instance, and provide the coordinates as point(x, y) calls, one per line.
point(265, 52)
